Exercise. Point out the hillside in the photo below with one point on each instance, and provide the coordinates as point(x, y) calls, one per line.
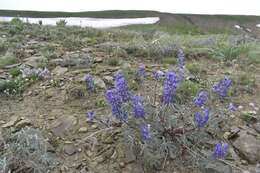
point(170, 22)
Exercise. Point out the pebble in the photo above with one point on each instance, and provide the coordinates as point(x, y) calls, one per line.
point(83, 129)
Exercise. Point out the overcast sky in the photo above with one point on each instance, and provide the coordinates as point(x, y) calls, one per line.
point(245, 7)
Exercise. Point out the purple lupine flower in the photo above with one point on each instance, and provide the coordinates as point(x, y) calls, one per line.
point(145, 132)
point(122, 86)
point(89, 82)
point(158, 74)
point(169, 88)
point(90, 115)
point(232, 107)
point(222, 87)
point(220, 150)
point(138, 106)
point(201, 98)
point(44, 74)
point(181, 64)
point(141, 72)
point(115, 101)
point(201, 120)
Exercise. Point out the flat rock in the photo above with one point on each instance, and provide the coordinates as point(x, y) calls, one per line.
point(98, 60)
point(108, 79)
point(12, 122)
point(23, 123)
point(63, 125)
point(82, 60)
point(83, 129)
point(248, 146)
point(99, 83)
point(59, 70)
point(69, 149)
point(35, 61)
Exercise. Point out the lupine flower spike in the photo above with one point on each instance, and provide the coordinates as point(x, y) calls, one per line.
point(89, 82)
point(201, 98)
point(169, 88)
point(138, 106)
point(145, 132)
point(90, 115)
point(115, 101)
point(202, 120)
point(220, 150)
point(222, 87)
point(122, 86)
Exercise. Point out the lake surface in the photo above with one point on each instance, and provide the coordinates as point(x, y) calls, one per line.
point(88, 22)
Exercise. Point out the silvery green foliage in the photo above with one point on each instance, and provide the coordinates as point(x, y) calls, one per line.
point(26, 151)
point(180, 131)
point(175, 134)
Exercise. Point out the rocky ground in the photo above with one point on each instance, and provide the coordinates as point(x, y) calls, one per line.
point(57, 105)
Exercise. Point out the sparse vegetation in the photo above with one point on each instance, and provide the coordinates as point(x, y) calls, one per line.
point(176, 129)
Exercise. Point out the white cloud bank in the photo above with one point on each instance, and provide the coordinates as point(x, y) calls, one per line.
point(248, 7)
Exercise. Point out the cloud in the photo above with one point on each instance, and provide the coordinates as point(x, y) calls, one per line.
point(249, 7)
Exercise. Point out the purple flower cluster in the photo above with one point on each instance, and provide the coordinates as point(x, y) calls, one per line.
point(138, 106)
point(115, 101)
point(220, 150)
point(141, 72)
point(201, 98)
point(232, 107)
point(90, 115)
point(122, 86)
point(158, 74)
point(28, 72)
point(181, 64)
point(145, 132)
point(201, 120)
point(169, 88)
point(89, 82)
point(222, 87)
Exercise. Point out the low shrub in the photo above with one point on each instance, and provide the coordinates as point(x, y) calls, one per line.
point(171, 130)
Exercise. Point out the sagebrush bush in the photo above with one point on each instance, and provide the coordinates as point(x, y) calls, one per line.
point(26, 151)
point(61, 23)
point(228, 51)
point(16, 26)
point(8, 59)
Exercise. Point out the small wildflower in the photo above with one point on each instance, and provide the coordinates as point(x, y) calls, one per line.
point(232, 107)
point(201, 98)
point(89, 82)
point(145, 132)
point(220, 150)
point(90, 115)
point(141, 72)
point(138, 106)
point(158, 74)
point(169, 88)
point(122, 86)
point(115, 101)
point(222, 87)
point(202, 120)
point(44, 74)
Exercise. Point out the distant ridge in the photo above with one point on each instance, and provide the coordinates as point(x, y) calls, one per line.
point(199, 21)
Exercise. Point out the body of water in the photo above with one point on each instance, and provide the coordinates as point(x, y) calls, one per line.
point(88, 22)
